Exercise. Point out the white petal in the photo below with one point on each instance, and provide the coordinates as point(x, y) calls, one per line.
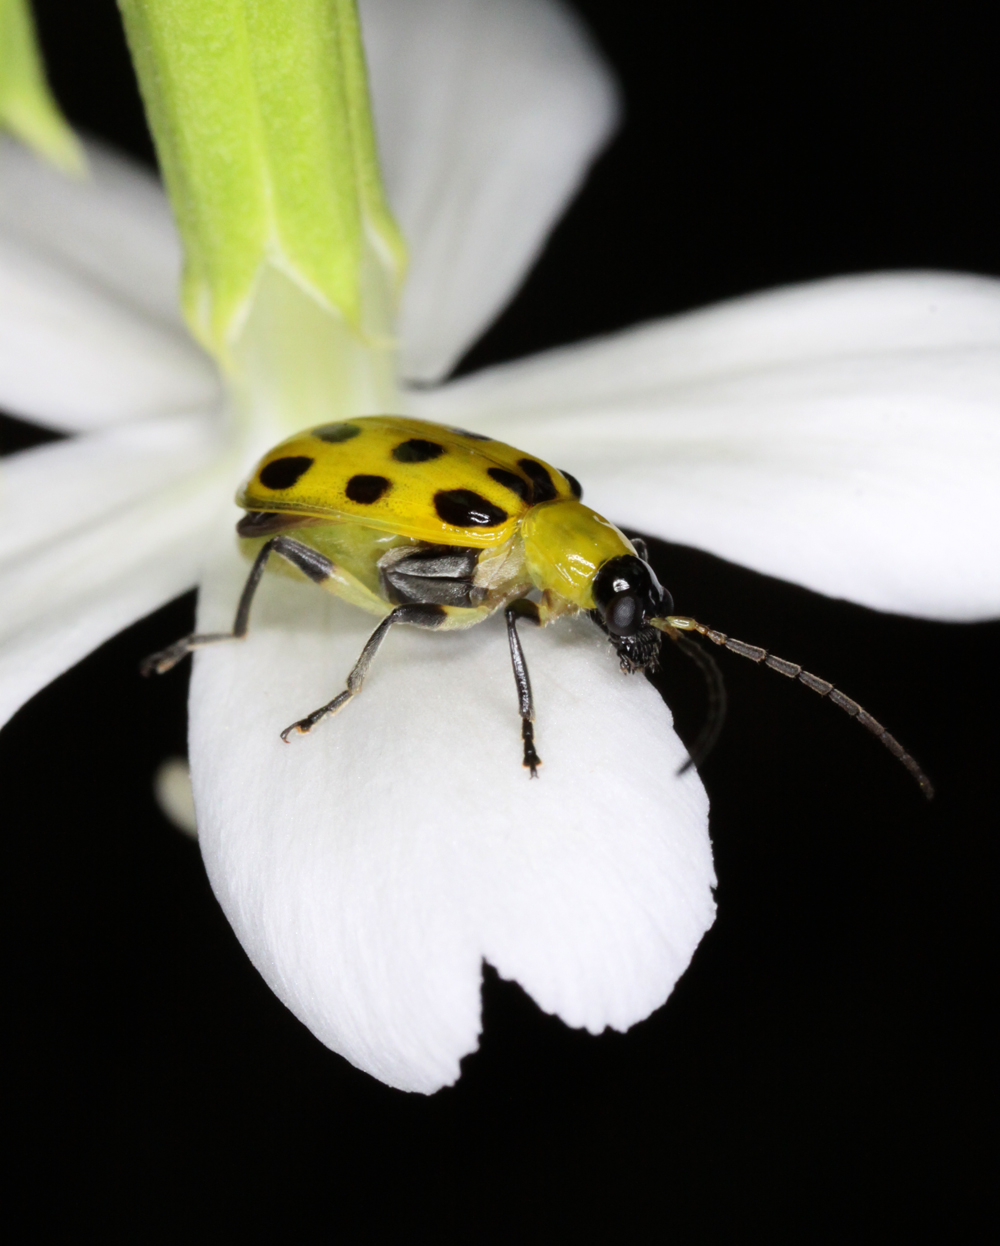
point(114, 226)
point(369, 868)
point(56, 491)
point(93, 575)
point(89, 328)
point(488, 114)
point(844, 434)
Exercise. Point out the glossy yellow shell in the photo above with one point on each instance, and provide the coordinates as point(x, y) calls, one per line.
point(566, 544)
point(406, 476)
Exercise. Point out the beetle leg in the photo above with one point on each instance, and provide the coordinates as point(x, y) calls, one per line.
point(525, 703)
point(307, 560)
point(525, 608)
point(417, 615)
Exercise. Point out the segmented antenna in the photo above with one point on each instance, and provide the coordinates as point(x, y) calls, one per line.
point(678, 623)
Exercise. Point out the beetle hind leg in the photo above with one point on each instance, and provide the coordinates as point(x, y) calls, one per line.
point(166, 659)
point(303, 557)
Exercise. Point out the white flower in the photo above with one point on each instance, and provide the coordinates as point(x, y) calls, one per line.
point(842, 435)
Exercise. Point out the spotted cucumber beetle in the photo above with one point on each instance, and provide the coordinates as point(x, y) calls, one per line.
point(440, 528)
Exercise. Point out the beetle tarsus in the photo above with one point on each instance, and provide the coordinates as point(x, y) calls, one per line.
point(305, 725)
point(531, 759)
point(166, 659)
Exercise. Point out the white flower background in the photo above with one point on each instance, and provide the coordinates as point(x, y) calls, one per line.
point(848, 910)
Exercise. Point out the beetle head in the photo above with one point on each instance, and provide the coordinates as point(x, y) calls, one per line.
point(628, 595)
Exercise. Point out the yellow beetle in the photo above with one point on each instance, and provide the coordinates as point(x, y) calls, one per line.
point(440, 528)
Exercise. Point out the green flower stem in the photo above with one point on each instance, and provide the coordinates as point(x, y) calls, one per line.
point(27, 108)
point(260, 114)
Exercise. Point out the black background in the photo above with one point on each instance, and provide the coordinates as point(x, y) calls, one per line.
point(821, 1069)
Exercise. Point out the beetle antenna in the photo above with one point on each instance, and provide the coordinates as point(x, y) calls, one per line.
point(716, 712)
point(679, 623)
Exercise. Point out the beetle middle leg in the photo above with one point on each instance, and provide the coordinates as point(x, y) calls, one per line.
point(303, 557)
point(431, 616)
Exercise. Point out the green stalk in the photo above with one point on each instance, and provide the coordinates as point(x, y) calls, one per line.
point(27, 108)
point(260, 114)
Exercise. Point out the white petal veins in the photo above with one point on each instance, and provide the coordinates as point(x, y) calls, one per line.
point(369, 868)
point(844, 435)
point(489, 113)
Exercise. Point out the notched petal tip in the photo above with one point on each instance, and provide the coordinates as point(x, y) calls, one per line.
point(369, 871)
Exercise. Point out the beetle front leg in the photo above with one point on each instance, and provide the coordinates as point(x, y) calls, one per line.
point(307, 560)
point(525, 702)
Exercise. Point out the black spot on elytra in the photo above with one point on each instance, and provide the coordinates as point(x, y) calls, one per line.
point(366, 489)
point(416, 450)
point(542, 488)
point(283, 473)
point(464, 432)
point(573, 483)
point(336, 432)
point(465, 509)
point(513, 482)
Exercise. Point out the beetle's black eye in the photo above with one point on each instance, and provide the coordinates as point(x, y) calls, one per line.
point(623, 616)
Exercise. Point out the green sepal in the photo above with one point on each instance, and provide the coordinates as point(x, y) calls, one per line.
point(27, 108)
point(259, 111)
